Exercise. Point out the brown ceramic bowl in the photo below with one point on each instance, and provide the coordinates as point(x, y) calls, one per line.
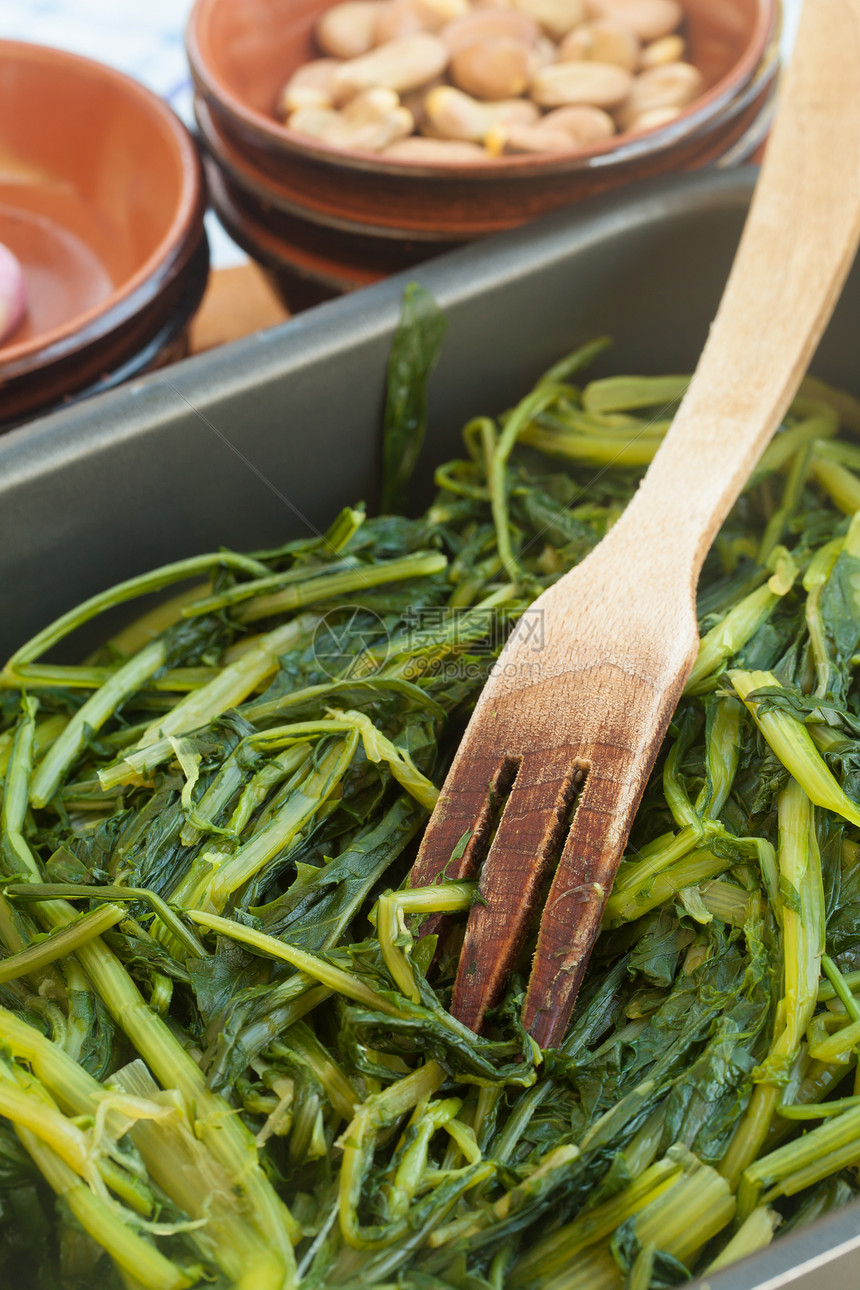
point(153, 349)
point(123, 353)
point(248, 169)
point(242, 51)
point(168, 343)
point(102, 199)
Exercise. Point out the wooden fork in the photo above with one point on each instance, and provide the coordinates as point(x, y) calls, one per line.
point(556, 756)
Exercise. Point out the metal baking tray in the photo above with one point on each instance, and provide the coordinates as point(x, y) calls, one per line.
point(266, 439)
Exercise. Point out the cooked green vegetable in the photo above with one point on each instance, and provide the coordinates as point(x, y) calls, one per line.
point(226, 1057)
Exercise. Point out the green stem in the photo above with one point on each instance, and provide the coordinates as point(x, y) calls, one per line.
point(91, 716)
point(421, 564)
point(63, 891)
point(61, 943)
point(131, 1252)
point(792, 743)
point(129, 590)
point(311, 964)
point(59, 676)
point(802, 931)
point(230, 687)
point(522, 415)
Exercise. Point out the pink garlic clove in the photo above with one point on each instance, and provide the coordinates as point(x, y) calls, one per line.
point(13, 293)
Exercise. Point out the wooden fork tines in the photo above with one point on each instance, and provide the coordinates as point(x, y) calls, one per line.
point(547, 778)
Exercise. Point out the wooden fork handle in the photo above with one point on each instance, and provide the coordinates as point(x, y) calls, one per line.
point(797, 247)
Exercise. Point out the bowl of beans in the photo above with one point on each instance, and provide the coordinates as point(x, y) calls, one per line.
point(415, 123)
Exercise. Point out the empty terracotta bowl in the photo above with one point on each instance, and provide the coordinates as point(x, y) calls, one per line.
point(148, 341)
point(102, 201)
point(242, 52)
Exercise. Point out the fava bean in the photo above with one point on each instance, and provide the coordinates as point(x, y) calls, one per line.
point(599, 84)
point(415, 100)
point(500, 68)
point(603, 41)
point(371, 121)
point(406, 17)
point(653, 118)
point(671, 85)
point(557, 17)
point(668, 49)
point(399, 65)
point(649, 19)
point(310, 86)
point(490, 24)
point(314, 122)
point(584, 124)
point(348, 30)
point(563, 130)
point(546, 50)
point(451, 114)
point(527, 138)
point(432, 151)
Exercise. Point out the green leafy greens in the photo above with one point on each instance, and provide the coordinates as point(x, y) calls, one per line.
point(226, 1055)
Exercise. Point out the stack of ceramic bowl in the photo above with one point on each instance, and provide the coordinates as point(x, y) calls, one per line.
point(102, 202)
point(325, 219)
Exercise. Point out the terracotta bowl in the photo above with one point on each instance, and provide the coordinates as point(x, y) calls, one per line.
point(242, 51)
point(166, 344)
point(153, 337)
point(102, 199)
point(311, 259)
point(249, 170)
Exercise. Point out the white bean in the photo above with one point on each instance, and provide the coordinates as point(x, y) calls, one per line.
point(371, 121)
point(490, 24)
point(500, 68)
point(348, 30)
point(309, 86)
point(431, 151)
point(406, 17)
point(315, 122)
point(563, 130)
point(650, 120)
point(557, 17)
point(667, 85)
point(598, 84)
point(546, 50)
point(650, 19)
point(603, 41)
point(668, 49)
point(399, 65)
point(451, 114)
point(584, 124)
